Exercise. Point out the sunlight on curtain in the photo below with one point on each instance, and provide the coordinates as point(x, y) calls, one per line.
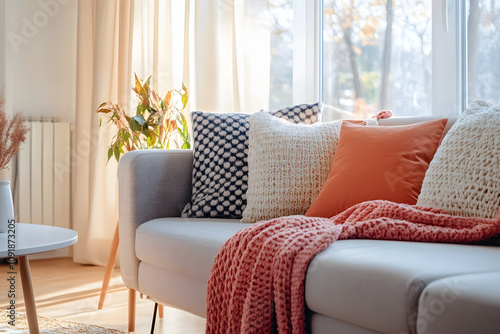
point(232, 55)
point(219, 49)
point(158, 43)
point(103, 74)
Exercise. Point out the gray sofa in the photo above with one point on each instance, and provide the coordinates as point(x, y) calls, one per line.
point(354, 286)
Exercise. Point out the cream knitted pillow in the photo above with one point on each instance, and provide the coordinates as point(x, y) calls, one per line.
point(464, 176)
point(287, 165)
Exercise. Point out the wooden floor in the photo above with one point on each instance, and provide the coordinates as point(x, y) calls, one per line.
point(70, 291)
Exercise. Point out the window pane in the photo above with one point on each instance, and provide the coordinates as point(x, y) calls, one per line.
point(281, 54)
point(377, 56)
point(483, 48)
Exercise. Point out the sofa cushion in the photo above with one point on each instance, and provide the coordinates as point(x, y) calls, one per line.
point(187, 246)
point(173, 289)
point(461, 305)
point(378, 162)
point(321, 324)
point(220, 146)
point(464, 176)
point(376, 284)
point(287, 165)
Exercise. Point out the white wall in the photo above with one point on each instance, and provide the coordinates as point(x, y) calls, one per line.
point(40, 55)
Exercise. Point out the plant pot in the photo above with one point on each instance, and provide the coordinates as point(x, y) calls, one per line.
point(6, 206)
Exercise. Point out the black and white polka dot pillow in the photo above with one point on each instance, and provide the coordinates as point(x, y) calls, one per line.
point(220, 165)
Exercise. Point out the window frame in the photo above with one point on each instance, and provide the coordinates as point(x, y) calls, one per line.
point(307, 52)
point(449, 57)
point(449, 54)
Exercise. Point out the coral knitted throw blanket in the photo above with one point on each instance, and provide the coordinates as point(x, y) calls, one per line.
point(257, 280)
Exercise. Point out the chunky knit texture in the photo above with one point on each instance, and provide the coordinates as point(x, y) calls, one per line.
point(288, 165)
point(464, 175)
point(257, 280)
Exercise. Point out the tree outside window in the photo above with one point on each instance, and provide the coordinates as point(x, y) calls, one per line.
point(377, 56)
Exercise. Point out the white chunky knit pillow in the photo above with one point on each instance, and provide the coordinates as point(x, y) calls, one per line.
point(464, 176)
point(287, 165)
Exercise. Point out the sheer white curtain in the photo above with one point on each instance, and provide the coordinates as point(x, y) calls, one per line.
point(158, 44)
point(220, 49)
point(231, 52)
point(103, 74)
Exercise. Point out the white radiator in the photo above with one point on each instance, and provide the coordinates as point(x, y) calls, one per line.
point(42, 180)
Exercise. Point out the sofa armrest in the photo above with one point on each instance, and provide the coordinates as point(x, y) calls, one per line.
point(151, 184)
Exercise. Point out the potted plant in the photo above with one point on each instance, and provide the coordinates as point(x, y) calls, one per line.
point(157, 123)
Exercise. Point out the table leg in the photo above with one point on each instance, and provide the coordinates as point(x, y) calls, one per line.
point(109, 268)
point(29, 296)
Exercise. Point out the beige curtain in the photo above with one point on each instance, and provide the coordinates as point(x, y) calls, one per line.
point(103, 74)
point(231, 55)
point(220, 49)
point(158, 45)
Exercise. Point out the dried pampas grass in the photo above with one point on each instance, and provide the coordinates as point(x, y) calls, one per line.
point(12, 134)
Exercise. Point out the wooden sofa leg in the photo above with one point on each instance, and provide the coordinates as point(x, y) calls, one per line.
point(131, 310)
point(160, 311)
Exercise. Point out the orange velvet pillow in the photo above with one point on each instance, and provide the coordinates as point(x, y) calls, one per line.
point(378, 162)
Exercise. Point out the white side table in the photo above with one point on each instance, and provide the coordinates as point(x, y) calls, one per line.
point(30, 239)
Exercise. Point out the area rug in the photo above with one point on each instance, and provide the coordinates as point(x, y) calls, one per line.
point(50, 326)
